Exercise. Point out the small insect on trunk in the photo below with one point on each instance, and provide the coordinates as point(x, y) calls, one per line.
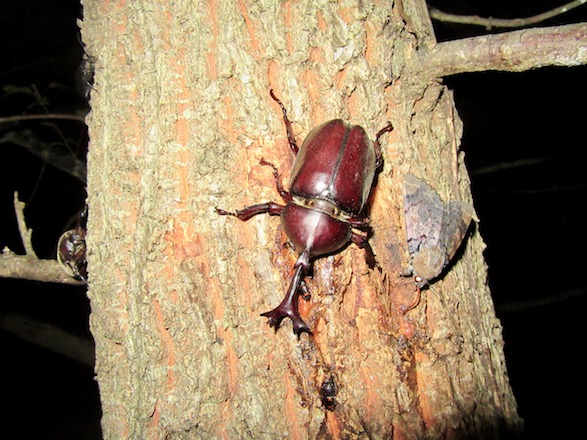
point(329, 187)
point(71, 249)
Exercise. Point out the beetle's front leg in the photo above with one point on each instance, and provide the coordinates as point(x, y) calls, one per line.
point(378, 153)
point(250, 211)
point(290, 136)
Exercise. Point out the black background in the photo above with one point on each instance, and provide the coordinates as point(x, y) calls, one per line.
point(525, 152)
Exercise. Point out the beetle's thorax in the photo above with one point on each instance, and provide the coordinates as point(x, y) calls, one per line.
point(322, 205)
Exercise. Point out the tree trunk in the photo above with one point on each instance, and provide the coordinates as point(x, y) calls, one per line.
point(181, 116)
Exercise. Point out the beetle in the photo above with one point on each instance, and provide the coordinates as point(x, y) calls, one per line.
point(329, 187)
point(71, 249)
point(328, 392)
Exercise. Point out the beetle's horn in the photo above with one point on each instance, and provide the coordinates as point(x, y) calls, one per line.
point(289, 306)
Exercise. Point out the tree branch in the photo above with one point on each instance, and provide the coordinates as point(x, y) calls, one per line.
point(29, 266)
point(32, 268)
point(502, 22)
point(515, 51)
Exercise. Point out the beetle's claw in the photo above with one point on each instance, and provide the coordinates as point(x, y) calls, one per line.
point(223, 212)
point(275, 317)
point(299, 327)
point(279, 313)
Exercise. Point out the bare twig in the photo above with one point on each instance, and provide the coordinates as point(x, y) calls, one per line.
point(501, 22)
point(25, 232)
point(518, 306)
point(503, 166)
point(515, 51)
point(42, 117)
point(52, 153)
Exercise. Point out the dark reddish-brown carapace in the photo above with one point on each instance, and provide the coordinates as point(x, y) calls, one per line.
point(328, 190)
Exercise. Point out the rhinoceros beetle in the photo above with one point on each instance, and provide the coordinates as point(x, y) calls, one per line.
point(329, 188)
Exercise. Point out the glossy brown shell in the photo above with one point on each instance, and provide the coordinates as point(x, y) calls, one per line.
point(313, 230)
point(336, 162)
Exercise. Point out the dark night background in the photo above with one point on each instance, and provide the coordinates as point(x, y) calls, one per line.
point(525, 151)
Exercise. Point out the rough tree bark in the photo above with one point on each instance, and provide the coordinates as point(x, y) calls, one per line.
point(181, 116)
